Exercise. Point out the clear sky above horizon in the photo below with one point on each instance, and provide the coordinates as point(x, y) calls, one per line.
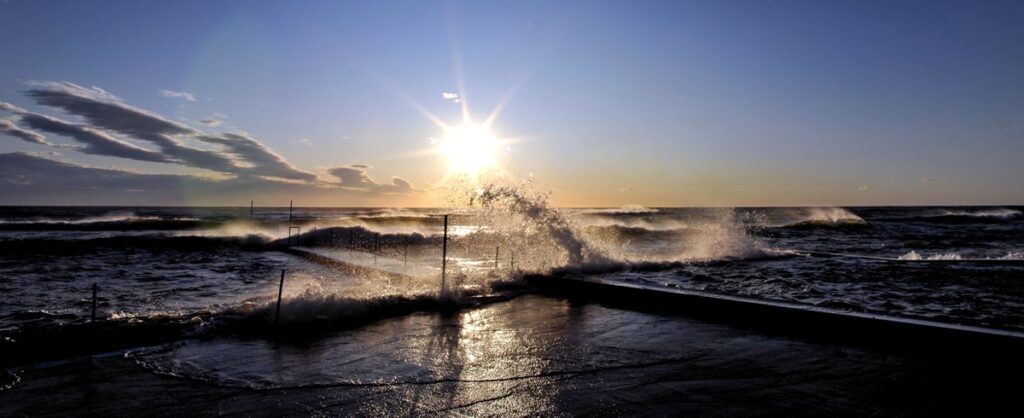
point(606, 103)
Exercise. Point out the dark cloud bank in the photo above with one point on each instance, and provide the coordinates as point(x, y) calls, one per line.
point(238, 166)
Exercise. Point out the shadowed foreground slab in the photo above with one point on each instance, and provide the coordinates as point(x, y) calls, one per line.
point(530, 355)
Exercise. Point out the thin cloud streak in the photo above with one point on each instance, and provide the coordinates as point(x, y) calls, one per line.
point(111, 126)
point(8, 127)
point(178, 95)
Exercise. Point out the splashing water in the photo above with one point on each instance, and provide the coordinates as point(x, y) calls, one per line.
point(817, 217)
point(725, 237)
point(914, 256)
point(834, 215)
point(539, 215)
point(999, 213)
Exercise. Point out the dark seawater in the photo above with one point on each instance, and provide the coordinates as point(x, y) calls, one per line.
point(959, 265)
point(205, 270)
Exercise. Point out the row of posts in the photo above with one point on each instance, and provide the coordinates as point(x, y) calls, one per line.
point(376, 246)
point(444, 260)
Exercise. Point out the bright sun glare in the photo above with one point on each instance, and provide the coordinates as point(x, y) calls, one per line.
point(470, 148)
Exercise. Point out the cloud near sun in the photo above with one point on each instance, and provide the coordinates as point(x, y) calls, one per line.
point(110, 127)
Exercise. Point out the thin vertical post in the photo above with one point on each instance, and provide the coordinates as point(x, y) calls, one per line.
point(290, 222)
point(376, 246)
point(252, 219)
point(280, 290)
point(496, 257)
point(444, 254)
point(405, 258)
point(94, 289)
point(512, 261)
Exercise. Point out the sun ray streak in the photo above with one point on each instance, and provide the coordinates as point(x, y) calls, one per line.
point(398, 91)
point(456, 47)
point(505, 98)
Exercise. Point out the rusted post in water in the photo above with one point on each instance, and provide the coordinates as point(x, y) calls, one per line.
point(280, 289)
point(444, 254)
point(496, 257)
point(512, 260)
point(94, 288)
point(252, 221)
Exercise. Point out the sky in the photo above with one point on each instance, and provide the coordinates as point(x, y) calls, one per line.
point(602, 103)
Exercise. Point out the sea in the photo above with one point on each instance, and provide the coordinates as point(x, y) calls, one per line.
point(160, 276)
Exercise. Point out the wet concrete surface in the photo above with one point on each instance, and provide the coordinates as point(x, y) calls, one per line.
point(532, 355)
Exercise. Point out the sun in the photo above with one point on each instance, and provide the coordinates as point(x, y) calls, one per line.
point(470, 148)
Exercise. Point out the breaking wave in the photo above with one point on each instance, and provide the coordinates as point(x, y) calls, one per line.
point(625, 210)
point(999, 213)
point(961, 216)
point(123, 222)
point(537, 214)
point(727, 238)
point(915, 256)
point(166, 242)
point(828, 218)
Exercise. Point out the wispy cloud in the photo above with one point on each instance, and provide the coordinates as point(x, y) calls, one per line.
point(95, 142)
point(112, 128)
point(927, 179)
point(103, 111)
point(355, 177)
point(8, 127)
point(265, 161)
point(178, 95)
point(27, 178)
point(211, 122)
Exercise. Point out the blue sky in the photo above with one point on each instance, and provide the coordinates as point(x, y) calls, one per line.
point(611, 103)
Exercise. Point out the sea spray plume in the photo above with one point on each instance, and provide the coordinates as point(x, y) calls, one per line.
point(998, 213)
point(536, 210)
point(725, 237)
point(810, 218)
point(834, 215)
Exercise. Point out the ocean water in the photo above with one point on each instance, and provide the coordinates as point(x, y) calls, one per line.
point(211, 271)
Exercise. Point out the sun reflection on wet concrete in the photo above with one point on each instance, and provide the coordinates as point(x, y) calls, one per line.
point(538, 355)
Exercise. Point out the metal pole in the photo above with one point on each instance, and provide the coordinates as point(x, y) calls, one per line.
point(290, 222)
point(512, 262)
point(280, 289)
point(252, 221)
point(496, 258)
point(444, 253)
point(94, 287)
